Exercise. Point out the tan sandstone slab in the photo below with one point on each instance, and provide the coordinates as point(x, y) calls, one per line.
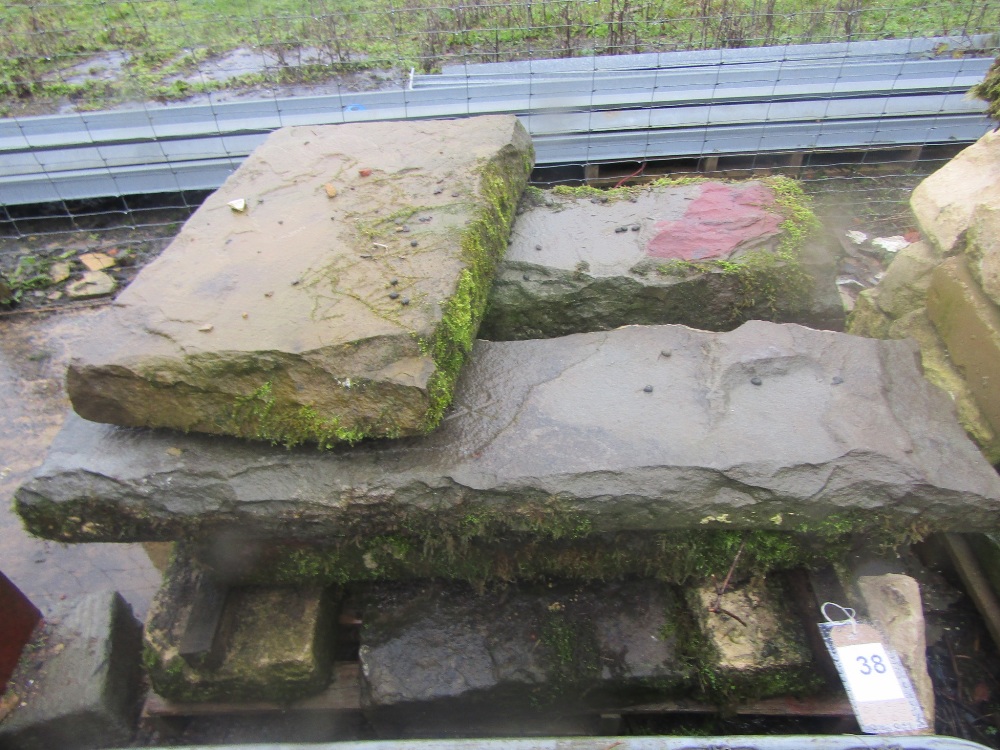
point(969, 324)
point(329, 291)
point(943, 204)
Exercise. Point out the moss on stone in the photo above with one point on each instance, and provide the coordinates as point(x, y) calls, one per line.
point(989, 90)
point(484, 241)
point(481, 551)
point(867, 319)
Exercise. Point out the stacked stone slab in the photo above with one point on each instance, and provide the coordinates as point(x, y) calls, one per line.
point(945, 292)
point(702, 253)
point(327, 292)
point(645, 428)
point(652, 451)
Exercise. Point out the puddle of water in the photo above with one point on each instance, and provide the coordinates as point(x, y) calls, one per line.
point(33, 404)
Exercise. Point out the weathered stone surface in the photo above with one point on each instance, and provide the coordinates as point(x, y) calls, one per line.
point(516, 648)
point(893, 601)
point(275, 642)
point(983, 249)
point(578, 264)
point(642, 428)
point(939, 370)
point(903, 288)
point(91, 284)
point(969, 324)
point(755, 640)
point(311, 318)
point(943, 204)
point(79, 687)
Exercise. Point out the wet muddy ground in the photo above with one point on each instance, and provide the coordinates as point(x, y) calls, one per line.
point(33, 351)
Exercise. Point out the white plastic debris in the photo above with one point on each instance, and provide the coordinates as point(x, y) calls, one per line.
point(207, 328)
point(891, 244)
point(858, 238)
point(239, 205)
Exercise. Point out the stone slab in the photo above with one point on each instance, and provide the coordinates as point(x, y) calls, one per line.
point(770, 426)
point(519, 647)
point(893, 601)
point(275, 642)
point(969, 324)
point(940, 370)
point(79, 687)
point(328, 291)
point(583, 262)
point(756, 644)
point(943, 204)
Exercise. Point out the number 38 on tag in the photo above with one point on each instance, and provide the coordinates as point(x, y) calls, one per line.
point(869, 672)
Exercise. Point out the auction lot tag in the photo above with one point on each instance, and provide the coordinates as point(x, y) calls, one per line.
point(878, 687)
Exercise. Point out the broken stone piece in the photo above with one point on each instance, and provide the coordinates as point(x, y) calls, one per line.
point(78, 686)
point(448, 645)
point(894, 603)
point(567, 419)
point(280, 378)
point(275, 643)
point(572, 269)
point(59, 271)
point(92, 284)
point(96, 261)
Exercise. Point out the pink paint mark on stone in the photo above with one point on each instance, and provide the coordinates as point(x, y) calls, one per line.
point(720, 220)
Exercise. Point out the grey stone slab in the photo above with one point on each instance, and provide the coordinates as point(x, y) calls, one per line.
point(328, 291)
point(580, 263)
point(79, 683)
point(515, 648)
point(769, 426)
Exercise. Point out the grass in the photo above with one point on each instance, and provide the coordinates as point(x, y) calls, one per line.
point(51, 50)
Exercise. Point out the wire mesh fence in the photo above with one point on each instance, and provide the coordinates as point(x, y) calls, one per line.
point(119, 117)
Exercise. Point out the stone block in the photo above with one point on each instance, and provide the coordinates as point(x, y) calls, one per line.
point(969, 324)
point(756, 646)
point(706, 254)
point(644, 428)
point(903, 288)
point(79, 686)
point(943, 203)
point(941, 371)
point(274, 642)
point(893, 601)
point(983, 249)
point(328, 291)
point(867, 318)
point(520, 647)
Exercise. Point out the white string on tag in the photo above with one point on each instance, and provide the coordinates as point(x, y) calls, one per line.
point(850, 612)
